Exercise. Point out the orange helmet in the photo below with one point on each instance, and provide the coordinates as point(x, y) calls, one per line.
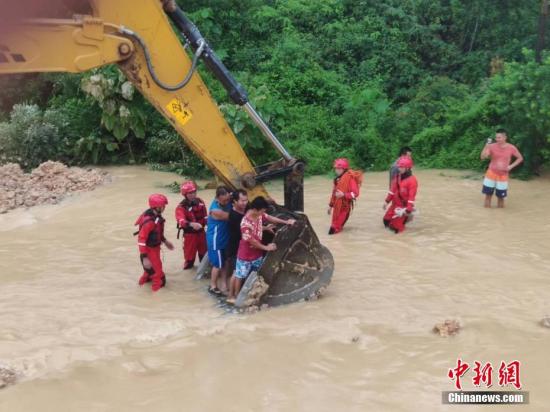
point(341, 163)
point(157, 200)
point(188, 187)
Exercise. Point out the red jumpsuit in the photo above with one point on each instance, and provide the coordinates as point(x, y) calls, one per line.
point(194, 241)
point(346, 183)
point(402, 194)
point(150, 237)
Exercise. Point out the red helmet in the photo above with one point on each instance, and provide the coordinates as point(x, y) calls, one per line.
point(405, 161)
point(341, 163)
point(157, 200)
point(188, 187)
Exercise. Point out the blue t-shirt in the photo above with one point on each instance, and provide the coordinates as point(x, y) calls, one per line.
point(217, 231)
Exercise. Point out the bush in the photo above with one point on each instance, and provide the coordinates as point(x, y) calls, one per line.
point(32, 136)
point(167, 152)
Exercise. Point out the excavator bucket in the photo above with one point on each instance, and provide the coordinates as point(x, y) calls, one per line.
point(299, 269)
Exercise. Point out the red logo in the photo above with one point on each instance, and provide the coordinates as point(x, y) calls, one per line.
point(508, 374)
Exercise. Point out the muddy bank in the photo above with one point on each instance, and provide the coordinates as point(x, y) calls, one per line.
point(49, 183)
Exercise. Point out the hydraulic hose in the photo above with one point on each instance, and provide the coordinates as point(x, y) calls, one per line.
point(200, 48)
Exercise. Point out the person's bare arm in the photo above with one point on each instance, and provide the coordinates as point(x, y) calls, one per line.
point(486, 152)
point(519, 159)
point(259, 245)
point(219, 214)
point(273, 219)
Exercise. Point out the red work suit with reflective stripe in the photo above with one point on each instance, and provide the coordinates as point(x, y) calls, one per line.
point(342, 206)
point(150, 237)
point(194, 241)
point(402, 194)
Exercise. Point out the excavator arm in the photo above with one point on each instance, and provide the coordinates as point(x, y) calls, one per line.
point(138, 37)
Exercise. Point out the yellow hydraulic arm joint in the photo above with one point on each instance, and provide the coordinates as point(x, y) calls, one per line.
point(61, 45)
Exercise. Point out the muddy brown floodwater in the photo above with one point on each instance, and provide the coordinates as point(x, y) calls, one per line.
point(83, 336)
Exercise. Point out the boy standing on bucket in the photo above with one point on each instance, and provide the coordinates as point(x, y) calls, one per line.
point(191, 217)
point(250, 255)
point(344, 193)
point(496, 177)
point(150, 237)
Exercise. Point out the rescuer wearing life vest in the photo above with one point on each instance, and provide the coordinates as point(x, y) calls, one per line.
point(191, 217)
point(402, 196)
point(150, 237)
point(344, 193)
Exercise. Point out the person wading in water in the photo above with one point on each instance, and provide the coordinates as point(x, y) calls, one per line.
point(344, 193)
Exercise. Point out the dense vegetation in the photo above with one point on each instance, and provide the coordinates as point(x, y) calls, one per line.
point(346, 77)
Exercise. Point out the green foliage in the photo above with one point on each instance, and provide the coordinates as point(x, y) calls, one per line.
point(115, 96)
point(32, 136)
point(166, 151)
point(517, 99)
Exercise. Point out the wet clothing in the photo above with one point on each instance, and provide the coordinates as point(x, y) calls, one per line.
point(216, 257)
point(217, 235)
point(217, 232)
point(150, 237)
point(250, 230)
point(194, 241)
point(402, 195)
point(348, 183)
point(234, 227)
point(492, 182)
point(501, 157)
point(245, 267)
point(151, 274)
point(496, 177)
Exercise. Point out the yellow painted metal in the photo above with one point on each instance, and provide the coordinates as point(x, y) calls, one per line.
point(60, 45)
point(78, 45)
point(204, 129)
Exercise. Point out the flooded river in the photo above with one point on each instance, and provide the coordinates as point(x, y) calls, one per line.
point(85, 337)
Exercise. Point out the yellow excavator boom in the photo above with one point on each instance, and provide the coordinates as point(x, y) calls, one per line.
point(76, 36)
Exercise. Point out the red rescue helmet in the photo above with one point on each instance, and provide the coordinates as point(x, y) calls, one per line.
point(341, 163)
point(188, 187)
point(157, 200)
point(405, 162)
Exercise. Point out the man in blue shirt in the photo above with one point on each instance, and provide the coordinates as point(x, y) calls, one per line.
point(217, 235)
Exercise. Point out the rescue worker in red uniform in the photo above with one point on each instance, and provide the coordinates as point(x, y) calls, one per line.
point(344, 194)
point(150, 237)
point(191, 217)
point(402, 196)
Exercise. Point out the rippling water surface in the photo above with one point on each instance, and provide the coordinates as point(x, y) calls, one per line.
point(84, 337)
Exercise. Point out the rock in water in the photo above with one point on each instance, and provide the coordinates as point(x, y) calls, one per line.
point(253, 289)
point(447, 328)
point(7, 377)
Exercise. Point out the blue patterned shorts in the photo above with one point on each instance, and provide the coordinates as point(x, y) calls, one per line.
point(244, 267)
